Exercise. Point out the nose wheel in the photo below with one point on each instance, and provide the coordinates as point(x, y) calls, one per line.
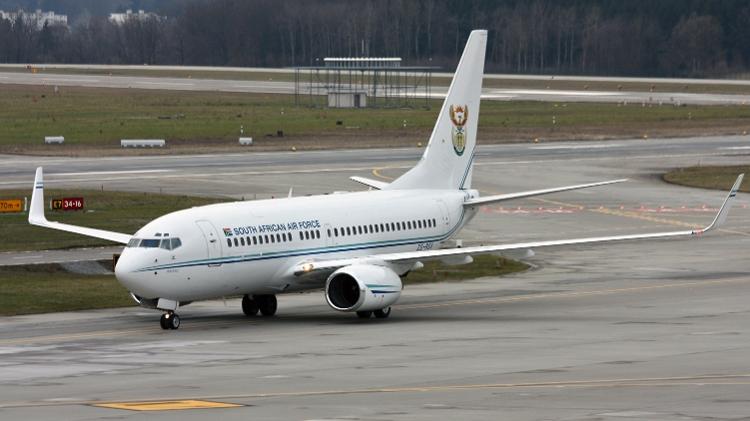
point(169, 321)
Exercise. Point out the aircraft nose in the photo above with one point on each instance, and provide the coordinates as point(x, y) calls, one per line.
point(126, 272)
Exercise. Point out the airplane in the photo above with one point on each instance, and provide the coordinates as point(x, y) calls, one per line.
point(355, 246)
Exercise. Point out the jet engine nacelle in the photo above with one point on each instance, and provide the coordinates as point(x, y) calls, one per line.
point(362, 288)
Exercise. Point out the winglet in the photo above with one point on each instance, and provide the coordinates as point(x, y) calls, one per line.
point(721, 217)
point(36, 212)
point(36, 216)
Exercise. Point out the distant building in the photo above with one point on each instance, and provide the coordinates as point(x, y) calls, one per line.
point(38, 18)
point(120, 18)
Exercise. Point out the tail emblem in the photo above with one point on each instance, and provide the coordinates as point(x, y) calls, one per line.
point(459, 115)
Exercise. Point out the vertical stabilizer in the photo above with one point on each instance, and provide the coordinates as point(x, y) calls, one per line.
point(446, 162)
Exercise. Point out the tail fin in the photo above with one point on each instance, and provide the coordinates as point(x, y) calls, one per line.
point(447, 160)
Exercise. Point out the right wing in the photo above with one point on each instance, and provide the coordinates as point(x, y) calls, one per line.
point(531, 193)
point(414, 256)
point(36, 217)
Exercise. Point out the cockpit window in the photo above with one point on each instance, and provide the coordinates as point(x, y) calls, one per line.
point(166, 243)
point(149, 243)
point(170, 243)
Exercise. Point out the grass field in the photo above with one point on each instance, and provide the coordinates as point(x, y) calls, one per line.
point(710, 177)
point(484, 265)
point(99, 118)
point(108, 210)
point(48, 288)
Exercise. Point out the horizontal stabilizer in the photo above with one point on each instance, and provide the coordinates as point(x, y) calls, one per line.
point(375, 184)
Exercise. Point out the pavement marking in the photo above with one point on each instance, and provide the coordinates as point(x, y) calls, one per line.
point(733, 148)
point(637, 215)
point(109, 172)
point(376, 173)
point(555, 147)
point(740, 379)
point(167, 405)
point(165, 83)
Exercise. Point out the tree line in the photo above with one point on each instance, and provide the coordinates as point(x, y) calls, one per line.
point(695, 38)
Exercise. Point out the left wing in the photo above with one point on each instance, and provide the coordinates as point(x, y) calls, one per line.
point(36, 217)
point(414, 256)
point(520, 195)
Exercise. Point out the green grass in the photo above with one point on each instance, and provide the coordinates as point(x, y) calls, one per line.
point(101, 117)
point(711, 177)
point(484, 265)
point(48, 288)
point(108, 210)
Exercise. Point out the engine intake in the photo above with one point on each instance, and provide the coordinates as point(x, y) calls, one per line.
point(362, 288)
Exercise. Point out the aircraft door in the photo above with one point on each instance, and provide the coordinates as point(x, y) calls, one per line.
point(212, 239)
point(444, 212)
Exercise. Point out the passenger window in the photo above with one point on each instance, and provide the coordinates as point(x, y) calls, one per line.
point(242, 241)
point(335, 232)
point(348, 232)
point(278, 238)
point(301, 236)
point(273, 240)
point(307, 235)
point(266, 239)
point(236, 243)
point(229, 242)
point(329, 233)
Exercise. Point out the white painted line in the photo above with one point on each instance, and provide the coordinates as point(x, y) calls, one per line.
point(69, 80)
point(110, 172)
point(558, 93)
point(36, 256)
point(733, 148)
point(552, 147)
point(166, 83)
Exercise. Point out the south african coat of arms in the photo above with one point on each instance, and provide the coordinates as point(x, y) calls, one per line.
point(459, 115)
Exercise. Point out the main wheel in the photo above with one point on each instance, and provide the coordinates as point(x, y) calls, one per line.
point(364, 314)
point(249, 306)
point(175, 319)
point(169, 321)
point(267, 304)
point(382, 313)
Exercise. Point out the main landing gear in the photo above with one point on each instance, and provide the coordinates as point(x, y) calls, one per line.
point(169, 320)
point(266, 304)
point(379, 314)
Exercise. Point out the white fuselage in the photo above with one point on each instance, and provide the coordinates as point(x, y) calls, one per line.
point(249, 247)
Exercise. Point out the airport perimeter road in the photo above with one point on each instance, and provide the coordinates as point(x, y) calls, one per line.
point(634, 331)
point(274, 87)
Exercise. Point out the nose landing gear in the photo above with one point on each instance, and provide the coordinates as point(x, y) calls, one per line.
point(169, 320)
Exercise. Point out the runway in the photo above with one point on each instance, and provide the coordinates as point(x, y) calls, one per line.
point(279, 87)
point(647, 330)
